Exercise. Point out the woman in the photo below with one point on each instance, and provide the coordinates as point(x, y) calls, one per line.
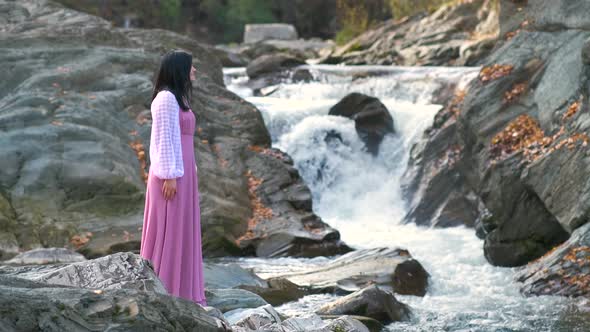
point(171, 235)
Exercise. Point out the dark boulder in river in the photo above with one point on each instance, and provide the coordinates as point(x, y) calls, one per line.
point(371, 118)
point(370, 302)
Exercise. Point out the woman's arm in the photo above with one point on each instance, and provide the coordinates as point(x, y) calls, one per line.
point(165, 148)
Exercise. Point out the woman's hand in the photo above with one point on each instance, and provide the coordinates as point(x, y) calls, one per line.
point(169, 188)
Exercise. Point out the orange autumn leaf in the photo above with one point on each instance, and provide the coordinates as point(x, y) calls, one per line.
point(138, 147)
point(516, 91)
point(571, 111)
point(490, 73)
point(259, 210)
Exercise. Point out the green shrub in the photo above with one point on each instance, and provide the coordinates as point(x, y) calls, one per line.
point(402, 8)
point(354, 19)
point(171, 8)
point(231, 17)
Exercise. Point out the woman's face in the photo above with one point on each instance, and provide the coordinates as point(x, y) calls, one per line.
point(193, 73)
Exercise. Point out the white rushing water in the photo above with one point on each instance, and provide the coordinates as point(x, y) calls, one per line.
point(360, 195)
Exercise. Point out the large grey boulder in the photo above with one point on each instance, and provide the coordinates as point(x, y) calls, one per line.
point(313, 323)
point(123, 270)
point(257, 32)
point(389, 268)
point(266, 318)
point(436, 191)
point(33, 306)
point(117, 292)
point(522, 119)
point(74, 136)
point(528, 215)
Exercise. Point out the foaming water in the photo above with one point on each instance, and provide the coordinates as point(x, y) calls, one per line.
point(360, 195)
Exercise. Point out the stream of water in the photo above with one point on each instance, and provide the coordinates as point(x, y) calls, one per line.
point(360, 195)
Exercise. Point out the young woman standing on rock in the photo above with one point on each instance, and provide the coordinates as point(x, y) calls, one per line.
point(171, 235)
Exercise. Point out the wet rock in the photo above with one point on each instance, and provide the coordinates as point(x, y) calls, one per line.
point(388, 268)
point(229, 59)
point(315, 323)
point(371, 118)
point(528, 230)
point(370, 302)
point(230, 276)
point(123, 270)
point(253, 318)
point(267, 319)
point(46, 256)
point(372, 324)
point(437, 192)
point(456, 34)
point(230, 299)
point(289, 232)
point(271, 69)
point(275, 291)
point(279, 291)
point(563, 271)
point(410, 278)
point(83, 87)
point(272, 64)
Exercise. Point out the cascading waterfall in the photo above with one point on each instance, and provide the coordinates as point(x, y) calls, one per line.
point(360, 195)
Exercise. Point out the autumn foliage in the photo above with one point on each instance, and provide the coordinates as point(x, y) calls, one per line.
point(511, 34)
point(266, 151)
point(493, 72)
point(455, 104)
point(137, 146)
point(516, 91)
point(572, 110)
point(578, 257)
point(80, 239)
point(259, 210)
point(524, 134)
point(520, 134)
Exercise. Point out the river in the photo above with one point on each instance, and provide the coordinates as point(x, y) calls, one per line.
point(360, 195)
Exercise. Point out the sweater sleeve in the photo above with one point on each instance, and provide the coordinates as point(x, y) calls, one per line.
point(165, 146)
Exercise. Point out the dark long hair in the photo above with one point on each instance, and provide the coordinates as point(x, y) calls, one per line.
point(174, 76)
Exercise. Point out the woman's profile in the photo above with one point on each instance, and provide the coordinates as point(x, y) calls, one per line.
point(171, 234)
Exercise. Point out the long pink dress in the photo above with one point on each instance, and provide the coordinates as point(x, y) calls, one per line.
point(171, 235)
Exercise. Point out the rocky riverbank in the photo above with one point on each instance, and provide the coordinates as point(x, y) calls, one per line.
point(460, 33)
point(514, 143)
point(507, 155)
point(122, 290)
point(74, 136)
